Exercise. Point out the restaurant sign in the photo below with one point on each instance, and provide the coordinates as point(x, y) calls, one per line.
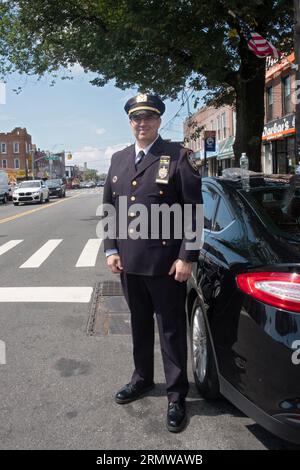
point(279, 128)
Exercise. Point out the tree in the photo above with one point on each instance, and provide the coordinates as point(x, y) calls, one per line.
point(161, 46)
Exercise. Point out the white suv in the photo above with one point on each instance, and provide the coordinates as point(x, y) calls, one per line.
point(31, 191)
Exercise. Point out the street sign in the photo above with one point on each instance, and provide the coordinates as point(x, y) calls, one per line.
point(210, 141)
point(51, 157)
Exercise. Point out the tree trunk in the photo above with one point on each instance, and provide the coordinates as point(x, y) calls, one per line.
point(249, 87)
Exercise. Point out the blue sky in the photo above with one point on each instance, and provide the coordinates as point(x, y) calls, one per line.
point(75, 116)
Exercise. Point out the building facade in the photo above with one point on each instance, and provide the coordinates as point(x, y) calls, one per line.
point(221, 120)
point(16, 153)
point(279, 144)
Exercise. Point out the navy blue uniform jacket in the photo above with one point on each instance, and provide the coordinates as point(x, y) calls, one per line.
point(152, 257)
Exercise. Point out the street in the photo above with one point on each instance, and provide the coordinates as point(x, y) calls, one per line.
point(58, 382)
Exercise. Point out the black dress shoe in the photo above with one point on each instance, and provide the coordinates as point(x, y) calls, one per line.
point(176, 416)
point(131, 392)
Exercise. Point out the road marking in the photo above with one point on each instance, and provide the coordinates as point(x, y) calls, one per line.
point(89, 253)
point(41, 255)
point(9, 245)
point(46, 294)
point(2, 352)
point(31, 211)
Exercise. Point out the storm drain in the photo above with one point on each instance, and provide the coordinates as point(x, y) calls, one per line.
point(108, 312)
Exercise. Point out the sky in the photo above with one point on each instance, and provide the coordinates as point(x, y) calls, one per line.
point(77, 117)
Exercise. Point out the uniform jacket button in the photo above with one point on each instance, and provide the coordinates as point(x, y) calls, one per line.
point(134, 183)
point(132, 198)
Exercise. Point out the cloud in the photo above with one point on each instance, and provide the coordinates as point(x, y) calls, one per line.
point(96, 158)
point(100, 131)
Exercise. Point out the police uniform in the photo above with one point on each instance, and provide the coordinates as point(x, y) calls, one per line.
point(167, 174)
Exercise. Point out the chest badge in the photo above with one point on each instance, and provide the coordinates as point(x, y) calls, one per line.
point(115, 178)
point(163, 172)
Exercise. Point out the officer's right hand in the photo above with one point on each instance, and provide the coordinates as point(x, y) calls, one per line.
point(114, 263)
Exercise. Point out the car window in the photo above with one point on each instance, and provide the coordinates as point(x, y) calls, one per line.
point(282, 206)
point(223, 217)
point(209, 204)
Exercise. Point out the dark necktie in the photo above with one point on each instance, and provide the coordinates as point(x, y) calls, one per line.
point(139, 158)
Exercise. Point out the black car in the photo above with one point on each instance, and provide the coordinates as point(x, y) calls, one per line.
point(243, 300)
point(57, 187)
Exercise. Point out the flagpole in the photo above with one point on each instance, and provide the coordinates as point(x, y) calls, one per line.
point(297, 62)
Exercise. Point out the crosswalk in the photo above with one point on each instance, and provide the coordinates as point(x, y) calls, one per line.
point(87, 257)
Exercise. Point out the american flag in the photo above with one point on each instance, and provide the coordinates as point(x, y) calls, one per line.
point(257, 44)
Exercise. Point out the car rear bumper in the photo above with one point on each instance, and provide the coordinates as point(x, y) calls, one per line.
point(272, 423)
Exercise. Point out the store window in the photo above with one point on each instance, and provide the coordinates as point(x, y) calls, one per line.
point(269, 107)
point(286, 95)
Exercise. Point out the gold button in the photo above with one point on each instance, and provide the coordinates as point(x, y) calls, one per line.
point(164, 242)
point(132, 214)
point(134, 183)
point(132, 198)
point(161, 193)
point(114, 193)
point(131, 230)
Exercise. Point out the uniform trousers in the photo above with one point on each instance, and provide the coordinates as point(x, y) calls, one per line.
point(166, 297)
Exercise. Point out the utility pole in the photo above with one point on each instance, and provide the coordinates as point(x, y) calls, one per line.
point(297, 87)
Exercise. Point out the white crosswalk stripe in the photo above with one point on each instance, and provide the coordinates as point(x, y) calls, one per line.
point(87, 257)
point(36, 260)
point(46, 294)
point(89, 253)
point(8, 246)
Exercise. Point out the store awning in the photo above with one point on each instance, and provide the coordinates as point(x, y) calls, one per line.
point(226, 150)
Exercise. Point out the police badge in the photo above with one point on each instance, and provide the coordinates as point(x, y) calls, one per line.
point(141, 98)
point(162, 176)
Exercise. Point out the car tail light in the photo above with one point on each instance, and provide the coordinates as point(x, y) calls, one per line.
point(282, 290)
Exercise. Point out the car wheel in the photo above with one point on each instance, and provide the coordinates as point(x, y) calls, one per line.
point(16, 203)
point(203, 359)
point(47, 199)
point(64, 195)
point(4, 200)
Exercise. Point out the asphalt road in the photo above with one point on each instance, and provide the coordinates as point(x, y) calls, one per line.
point(57, 382)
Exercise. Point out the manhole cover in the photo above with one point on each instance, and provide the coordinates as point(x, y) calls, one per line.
point(110, 288)
point(108, 313)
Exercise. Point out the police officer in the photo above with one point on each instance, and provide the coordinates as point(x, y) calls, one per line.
point(154, 270)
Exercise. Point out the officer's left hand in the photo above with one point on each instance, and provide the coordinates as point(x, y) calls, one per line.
point(182, 269)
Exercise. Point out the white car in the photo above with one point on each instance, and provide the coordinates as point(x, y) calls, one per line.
point(31, 191)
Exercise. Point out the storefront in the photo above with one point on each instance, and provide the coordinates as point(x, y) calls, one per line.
point(225, 154)
point(279, 154)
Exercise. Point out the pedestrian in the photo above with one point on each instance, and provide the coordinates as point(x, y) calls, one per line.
point(153, 270)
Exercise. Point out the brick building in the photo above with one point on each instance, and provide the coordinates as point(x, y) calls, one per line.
point(15, 153)
point(223, 121)
point(279, 145)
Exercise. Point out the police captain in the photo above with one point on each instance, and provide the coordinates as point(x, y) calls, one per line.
point(154, 270)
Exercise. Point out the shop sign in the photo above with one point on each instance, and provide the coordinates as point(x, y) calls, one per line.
point(279, 128)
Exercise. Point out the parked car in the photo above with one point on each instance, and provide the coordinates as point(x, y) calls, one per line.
point(31, 191)
point(100, 184)
point(4, 187)
point(56, 187)
point(243, 301)
point(88, 184)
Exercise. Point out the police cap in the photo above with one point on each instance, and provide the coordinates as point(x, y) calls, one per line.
point(144, 103)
